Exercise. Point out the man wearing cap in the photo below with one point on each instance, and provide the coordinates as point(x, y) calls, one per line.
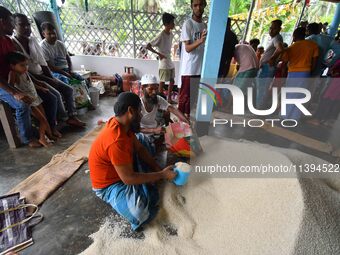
point(112, 161)
point(151, 103)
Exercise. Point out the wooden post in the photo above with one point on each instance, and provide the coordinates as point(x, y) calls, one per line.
point(8, 125)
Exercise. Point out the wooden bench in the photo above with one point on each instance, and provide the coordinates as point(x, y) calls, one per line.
point(8, 124)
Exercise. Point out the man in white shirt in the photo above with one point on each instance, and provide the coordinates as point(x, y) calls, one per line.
point(268, 62)
point(193, 38)
point(151, 103)
point(164, 43)
point(56, 55)
point(42, 77)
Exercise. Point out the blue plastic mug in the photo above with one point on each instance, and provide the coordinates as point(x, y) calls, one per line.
point(182, 177)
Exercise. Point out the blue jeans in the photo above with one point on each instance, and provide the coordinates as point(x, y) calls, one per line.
point(65, 79)
point(264, 78)
point(295, 80)
point(22, 114)
point(61, 77)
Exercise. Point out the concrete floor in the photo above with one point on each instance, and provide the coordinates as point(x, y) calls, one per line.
point(73, 212)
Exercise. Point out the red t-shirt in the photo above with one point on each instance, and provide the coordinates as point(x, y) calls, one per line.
point(6, 46)
point(112, 147)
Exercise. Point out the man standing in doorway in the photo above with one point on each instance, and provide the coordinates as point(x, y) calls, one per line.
point(193, 38)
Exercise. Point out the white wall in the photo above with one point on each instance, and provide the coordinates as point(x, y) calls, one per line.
point(110, 65)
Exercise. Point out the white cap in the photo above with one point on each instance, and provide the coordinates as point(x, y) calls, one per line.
point(149, 79)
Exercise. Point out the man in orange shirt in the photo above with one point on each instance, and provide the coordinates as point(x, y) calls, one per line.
point(114, 173)
point(302, 57)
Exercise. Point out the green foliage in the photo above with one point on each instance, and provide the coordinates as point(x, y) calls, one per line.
point(314, 13)
point(237, 7)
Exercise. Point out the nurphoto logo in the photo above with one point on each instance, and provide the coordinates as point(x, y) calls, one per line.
point(239, 100)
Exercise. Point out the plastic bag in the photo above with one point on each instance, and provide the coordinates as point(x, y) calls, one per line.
point(99, 85)
point(15, 230)
point(180, 140)
point(80, 93)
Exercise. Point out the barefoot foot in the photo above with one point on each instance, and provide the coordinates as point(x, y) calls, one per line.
point(34, 144)
point(44, 142)
point(74, 121)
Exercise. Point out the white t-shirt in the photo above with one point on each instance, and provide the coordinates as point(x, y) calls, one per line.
point(271, 48)
point(149, 118)
point(56, 53)
point(35, 58)
point(191, 63)
point(164, 43)
point(245, 56)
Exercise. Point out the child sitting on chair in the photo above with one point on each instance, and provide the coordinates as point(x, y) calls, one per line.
point(19, 78)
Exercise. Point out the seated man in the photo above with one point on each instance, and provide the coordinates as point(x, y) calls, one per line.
point(30, 47)
point(151, 103)
point(56, 55)
point(112, 161)
point(41, 75)
point(16, 99)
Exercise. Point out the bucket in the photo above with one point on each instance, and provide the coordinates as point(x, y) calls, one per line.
point(94, 96)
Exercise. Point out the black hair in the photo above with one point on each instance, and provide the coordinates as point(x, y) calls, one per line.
point(285, 45)
point(277, 22)
point(15, 57)
point(228, 24)
point(254, 41)
point(46, 26)
point(260, 47)
point(314, 28)
point(300, 33)
point(124, 101)
point(4, 13)
point(19, 15)
point(167, 18)
point(193, 1)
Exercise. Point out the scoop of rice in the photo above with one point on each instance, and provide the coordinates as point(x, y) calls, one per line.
point(184, 167)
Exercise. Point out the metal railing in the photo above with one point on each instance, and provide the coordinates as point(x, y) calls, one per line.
point(107, 31)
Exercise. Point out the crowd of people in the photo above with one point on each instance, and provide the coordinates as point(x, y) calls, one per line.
point(307, 63)
point(34, 79)
point(123, 169)
point(310, 62)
